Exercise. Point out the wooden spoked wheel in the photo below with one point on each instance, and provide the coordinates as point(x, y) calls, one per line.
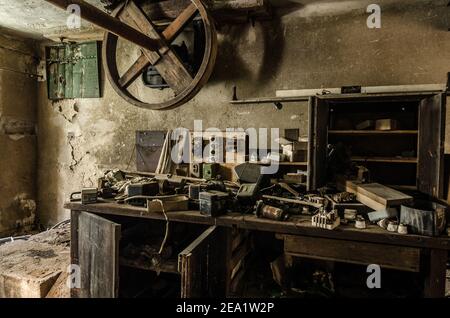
point(184, 84)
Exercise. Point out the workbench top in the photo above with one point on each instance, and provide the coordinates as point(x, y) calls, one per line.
point(296, 225)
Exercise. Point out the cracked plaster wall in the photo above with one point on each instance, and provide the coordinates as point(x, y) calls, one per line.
point(78, 139)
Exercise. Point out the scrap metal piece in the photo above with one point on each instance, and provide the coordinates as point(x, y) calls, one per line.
point(326, 220)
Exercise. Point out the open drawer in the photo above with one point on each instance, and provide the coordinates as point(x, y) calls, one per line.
point(101, 248)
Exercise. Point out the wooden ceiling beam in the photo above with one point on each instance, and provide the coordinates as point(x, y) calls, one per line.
point(222, 11)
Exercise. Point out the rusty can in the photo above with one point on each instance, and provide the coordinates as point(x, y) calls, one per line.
point(270, 212)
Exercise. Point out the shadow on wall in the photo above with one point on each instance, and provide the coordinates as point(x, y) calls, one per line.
point(230, 66)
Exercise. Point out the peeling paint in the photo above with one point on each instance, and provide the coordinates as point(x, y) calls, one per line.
point(68, 113)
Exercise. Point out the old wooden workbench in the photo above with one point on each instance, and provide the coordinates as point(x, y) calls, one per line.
point(345, 244)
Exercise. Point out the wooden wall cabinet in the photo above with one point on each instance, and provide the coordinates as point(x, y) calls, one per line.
point(411, 155)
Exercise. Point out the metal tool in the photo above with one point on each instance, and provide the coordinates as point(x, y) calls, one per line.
point(326, 220)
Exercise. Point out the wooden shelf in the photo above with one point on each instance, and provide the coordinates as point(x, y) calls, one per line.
point(168, 266)
point(283, 163)
point(373, 132)
point(385, 159)
point(269, 100)
point(403, 187)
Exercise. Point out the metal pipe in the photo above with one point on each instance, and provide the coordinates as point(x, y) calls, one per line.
point(12, 239)
point(105, 21)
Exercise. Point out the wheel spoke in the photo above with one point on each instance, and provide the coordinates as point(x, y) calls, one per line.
point(177, 26)
point(134, 71)
point(169, 34)
point(165, 60)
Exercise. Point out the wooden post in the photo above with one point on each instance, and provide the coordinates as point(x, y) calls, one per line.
point(74, 258)
point(435, 275)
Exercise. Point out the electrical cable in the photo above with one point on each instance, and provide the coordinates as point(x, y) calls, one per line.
point(59, 224)
point(166, 236)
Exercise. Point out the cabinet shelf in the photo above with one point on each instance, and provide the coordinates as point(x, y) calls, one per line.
point(373, 132)
point(167, 266)
point(385, 159)
point(282, 163)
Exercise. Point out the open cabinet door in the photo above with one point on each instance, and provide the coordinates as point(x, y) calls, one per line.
point(318, 143)
point(431, 145)
point(98, 248)
point(202, 266)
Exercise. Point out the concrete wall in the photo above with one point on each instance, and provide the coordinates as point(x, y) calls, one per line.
point(312, 47)
point(18, 102)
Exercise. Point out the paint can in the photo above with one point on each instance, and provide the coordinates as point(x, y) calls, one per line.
point(270, 212)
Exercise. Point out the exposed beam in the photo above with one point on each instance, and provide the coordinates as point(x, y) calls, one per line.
point(105, 21)
point(220, 10)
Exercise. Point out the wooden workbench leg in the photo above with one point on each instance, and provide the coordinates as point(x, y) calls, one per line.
point(74, 292)
point(435, 276)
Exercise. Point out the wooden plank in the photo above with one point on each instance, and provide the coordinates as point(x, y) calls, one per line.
point(268, 100)
point(296, 225)
point(240, 254)
point(236, 282)
point(431, 145)
point(168, 266)
point(171, 9)
point(436, 274)
point(105, 21)
point(401, 258)
point(373, 132)
point(74, 250)
point(175, 28)
point(201, 267)
point(165, 60)
point(98, 241)
point(239, 238)
point(386, 159)
point(376, 196)
point(134, 71)
point(318, 142)
point(395, 90)
point(169, 34)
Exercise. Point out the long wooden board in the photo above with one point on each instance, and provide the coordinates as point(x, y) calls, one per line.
point(296, 225)
point(375, 195)
point(395, 257)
